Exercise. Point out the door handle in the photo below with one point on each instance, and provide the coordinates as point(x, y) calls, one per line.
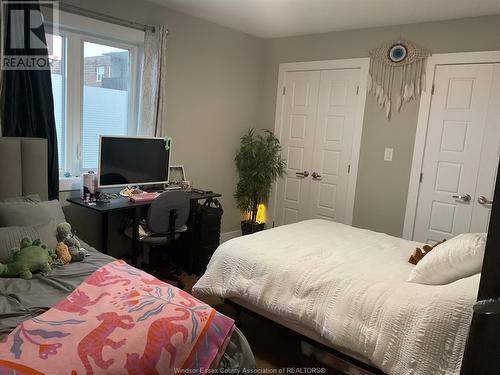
point(316, 176)
point(465, 198)
point(302, 174)
point(483, 200)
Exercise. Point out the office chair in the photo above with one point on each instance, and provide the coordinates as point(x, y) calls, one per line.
point(165, 221)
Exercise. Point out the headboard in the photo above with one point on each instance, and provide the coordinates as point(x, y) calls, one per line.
point(23, 167)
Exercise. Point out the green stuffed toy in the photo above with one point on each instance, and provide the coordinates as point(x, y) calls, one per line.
point(30, 257)
point(66, 236)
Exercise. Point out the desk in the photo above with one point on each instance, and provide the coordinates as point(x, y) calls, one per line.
point(124, 204)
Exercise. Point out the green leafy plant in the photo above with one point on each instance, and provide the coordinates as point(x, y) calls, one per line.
point(259, 164)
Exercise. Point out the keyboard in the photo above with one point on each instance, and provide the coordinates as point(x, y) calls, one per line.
point(173, 187)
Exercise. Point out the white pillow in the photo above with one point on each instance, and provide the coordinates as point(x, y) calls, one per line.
point(459, 257)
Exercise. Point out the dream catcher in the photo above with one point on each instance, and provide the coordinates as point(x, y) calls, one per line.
point(400, 64)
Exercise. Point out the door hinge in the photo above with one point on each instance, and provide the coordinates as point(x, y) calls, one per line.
point(284, 90)
point(349, 169)
point(421, 177)
point(357, 90)
point(433, 89)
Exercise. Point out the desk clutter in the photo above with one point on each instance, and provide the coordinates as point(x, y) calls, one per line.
point(136, 163)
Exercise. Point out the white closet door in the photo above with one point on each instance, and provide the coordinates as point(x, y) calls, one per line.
point(337, 107)
point(488, 166)
point(297, 139)
point(457, 128)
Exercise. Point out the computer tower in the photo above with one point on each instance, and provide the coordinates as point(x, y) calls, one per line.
point(202, 237)
point(205, 235)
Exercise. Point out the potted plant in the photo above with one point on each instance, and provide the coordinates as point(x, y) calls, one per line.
point(259, 164)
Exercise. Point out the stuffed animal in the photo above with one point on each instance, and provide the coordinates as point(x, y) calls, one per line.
point(63, 253)
point(419, 253)
point(30, 257)
point(65, 235)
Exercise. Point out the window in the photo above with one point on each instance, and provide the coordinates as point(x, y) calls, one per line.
point(94, 82)
point(105, 102)
point(99, 73)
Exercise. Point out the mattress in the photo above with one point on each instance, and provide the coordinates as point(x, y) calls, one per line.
point(24, 299)
point(348, 286)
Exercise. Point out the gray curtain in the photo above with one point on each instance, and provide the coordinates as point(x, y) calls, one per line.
point(2, 38)
point(152, 101)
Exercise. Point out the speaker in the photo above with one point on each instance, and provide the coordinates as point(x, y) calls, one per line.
point(89, 185)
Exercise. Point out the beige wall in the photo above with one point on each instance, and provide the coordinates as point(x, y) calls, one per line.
point(213, 85)
point(382, 187)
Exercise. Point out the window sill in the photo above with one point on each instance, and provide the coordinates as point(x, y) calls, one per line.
point(69, 183)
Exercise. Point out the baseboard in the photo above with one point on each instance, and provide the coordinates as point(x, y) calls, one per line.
point(229, 235)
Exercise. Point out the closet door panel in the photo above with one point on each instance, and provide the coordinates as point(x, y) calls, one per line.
point(452, 158)
point(337, 105)
point(297, 140)
point(488, 165)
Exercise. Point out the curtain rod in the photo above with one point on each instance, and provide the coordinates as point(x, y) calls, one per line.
point(103, 17)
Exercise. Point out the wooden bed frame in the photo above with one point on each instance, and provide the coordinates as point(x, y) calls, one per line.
point(476, 359)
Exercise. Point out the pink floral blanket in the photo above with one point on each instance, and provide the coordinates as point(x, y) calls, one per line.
point(119, 320)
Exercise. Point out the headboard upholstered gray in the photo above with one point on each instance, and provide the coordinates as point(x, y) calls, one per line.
point(23, 167)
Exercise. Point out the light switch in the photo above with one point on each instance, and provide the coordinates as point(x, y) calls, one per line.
point(388, 154)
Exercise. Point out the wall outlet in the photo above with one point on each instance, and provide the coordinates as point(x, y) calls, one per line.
point(388, 154)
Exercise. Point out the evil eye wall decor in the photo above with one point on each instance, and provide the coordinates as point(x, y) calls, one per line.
point(398, 53)
point(397, 56)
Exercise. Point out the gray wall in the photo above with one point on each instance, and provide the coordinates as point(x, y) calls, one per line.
point(213, 85)
point(221, 82)
point(382, 187)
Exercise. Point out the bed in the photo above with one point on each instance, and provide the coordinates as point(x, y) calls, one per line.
point(346, 288)
point(24, 301)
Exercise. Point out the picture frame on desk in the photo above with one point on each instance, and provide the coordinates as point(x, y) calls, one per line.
point(177, 175)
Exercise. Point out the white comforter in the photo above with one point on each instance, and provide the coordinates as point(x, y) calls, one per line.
point(349, 286)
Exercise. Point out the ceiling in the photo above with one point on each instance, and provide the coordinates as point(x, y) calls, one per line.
point(279, 18)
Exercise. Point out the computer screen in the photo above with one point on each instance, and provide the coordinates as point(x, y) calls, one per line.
point(127, 161)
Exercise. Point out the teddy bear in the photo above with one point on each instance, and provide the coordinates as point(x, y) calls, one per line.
point(419, 253)
point(31, 256)
point(63, 253)
point(66, 236)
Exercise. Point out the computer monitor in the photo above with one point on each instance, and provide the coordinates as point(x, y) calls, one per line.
point(125, 161)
